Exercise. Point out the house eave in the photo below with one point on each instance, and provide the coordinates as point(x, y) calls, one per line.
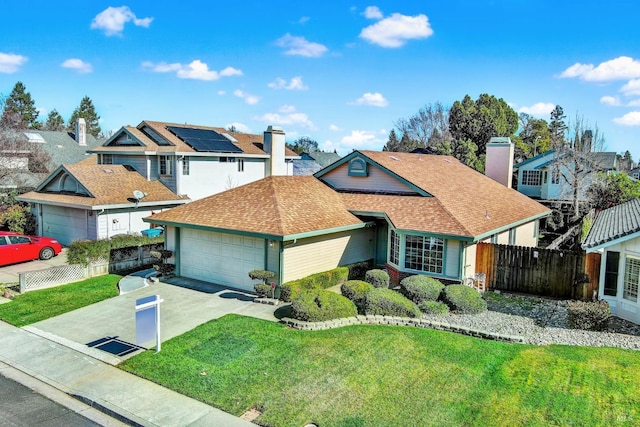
point(611, 242)
point(490, 233)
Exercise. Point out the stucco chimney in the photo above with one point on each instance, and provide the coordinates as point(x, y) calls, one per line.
point(499, 165)
point(81, 132)
point(274, 146)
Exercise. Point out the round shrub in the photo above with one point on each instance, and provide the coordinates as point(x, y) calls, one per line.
point(436, 308)
point(355, 290)
point(387, 302)
point(262, 289)
point(318, 305)
point(420, 288)
point(378, 278)
point(464, 299)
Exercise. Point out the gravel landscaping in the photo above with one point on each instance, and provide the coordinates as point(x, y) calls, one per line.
point(542, 321)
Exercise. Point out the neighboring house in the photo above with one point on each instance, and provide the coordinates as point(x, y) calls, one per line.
point(86, 201)
point(197, 161)
point(540, 177)
point(310, 163)
point(615, 233)
point(634, 173)
point(410, 213)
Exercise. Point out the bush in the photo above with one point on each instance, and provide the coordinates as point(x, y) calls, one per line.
point(437, 308)
point(85, 251)
point(378, 278)
point(290, 290)
point(359, 269)
point(464, 299)
point(262, 289)
point(318, 305)
point(356, 290)
point(420, 288)
point(591, 316)
point(387, 302)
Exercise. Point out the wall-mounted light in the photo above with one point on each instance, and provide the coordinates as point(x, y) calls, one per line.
point(270, 243)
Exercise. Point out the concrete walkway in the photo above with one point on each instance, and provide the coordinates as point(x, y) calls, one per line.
point(55, 352)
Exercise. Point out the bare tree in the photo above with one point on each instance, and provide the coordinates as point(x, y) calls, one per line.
point(429, 127)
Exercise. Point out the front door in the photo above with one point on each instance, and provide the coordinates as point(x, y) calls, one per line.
point(382, 240)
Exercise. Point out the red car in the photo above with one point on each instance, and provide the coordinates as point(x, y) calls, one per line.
point(16, 247)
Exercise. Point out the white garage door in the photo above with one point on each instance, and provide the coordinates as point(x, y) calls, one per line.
point(224, 259)
point(64, 224)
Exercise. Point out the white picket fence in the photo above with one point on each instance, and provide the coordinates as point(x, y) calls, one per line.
point(61, 275)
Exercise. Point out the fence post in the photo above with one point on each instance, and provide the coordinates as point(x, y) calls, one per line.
point(23, 283)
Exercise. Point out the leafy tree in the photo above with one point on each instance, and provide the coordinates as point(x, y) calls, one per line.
point(19, 110)
point(625, 161)
point(429, 127)
point(465, 151)
point(610, 190)
point(304, 144)
point(54, 122)
point(534, 138)
point(87, 111)
point(393, 144)
point(557, 127)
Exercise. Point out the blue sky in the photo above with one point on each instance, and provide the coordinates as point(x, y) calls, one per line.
point(339, 72)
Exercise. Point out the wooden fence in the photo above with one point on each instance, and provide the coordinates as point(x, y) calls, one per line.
point(544, 272)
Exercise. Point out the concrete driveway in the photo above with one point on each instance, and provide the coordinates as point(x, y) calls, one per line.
point(182, 310)
point(11, 273)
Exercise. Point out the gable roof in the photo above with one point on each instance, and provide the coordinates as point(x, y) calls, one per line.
point(476, 203)
point(322, 158)
point(62, 146)
point(100, 186)
point(613, 225)
point(166, 142)
point(275, 206)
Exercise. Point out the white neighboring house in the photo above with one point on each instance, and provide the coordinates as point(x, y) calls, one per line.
point(616, 235)
point(86, 201)
point(198, 161)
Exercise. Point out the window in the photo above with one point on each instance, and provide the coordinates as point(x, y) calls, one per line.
point(107, 159)
point(545, 175)
point(185, 166)
point(530, 177)
point(631, 278)
point(424, 254)
point(165, 165)
point(240, 165)
point(611, 273)
point(555, 176)
point(227, 159)
point(394, 250)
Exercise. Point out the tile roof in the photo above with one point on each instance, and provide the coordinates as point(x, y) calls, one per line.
point(107, 184)
point(276, 205)
point(476, 202)
point(614, 223)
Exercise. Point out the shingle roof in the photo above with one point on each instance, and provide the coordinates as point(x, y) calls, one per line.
point(614, 223)
point(107, 184)
point(63, 148)
point(276, 205)
point(477, 203)
point(324, 159)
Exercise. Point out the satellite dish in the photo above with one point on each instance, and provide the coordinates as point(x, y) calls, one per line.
point(138, 195)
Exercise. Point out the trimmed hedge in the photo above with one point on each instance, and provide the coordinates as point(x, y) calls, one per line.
point(85, 251)
point(263, 290)
point(387, 302)
point(317, 305)
point(290, 290)
point(591, 316)
point(464, 299)
point(436, 308)
point(378, 278)
point(420, 288)
point(356, 290)
point(359, 269)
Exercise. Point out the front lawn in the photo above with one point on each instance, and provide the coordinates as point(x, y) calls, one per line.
point(39, 305)
point(393, 376)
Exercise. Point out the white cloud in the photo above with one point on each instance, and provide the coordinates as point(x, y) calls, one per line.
point(538, 109)
point(396, 30)
point(372, 12)
point(77, 64)
point(222, 92)
point(196, 70)
point(382, 131)
point(10, 63)
point(300, 46)
point(632, 87)
point(612, 101)
point(334, 128)
point(303, 20)
point(620, 68)
point(372, 99)
point(248, 98)
point(240, 127)
point(294, 84)
point(629, 119)
point(358, 137)
point(634, 103)
point(112, 20)
point(287, 116)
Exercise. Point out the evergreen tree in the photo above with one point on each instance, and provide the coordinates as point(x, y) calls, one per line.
point(87, 111)
point(54, 121)
point(19, 110)
point(557, 127)
point(393, 144)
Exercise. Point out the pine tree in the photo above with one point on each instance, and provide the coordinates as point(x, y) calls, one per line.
point(19, 110)
point(87, 111)
point(54, 121)
point(557, 127)
point(393, 144)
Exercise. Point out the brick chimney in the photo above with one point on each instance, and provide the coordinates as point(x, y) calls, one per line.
point(499, 165)
point(81, 132)
point(274, 146)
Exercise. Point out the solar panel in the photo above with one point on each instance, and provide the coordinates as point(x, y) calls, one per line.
point(204, 140)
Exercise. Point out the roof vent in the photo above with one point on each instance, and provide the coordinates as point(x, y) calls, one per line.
point(107, 170)
point(394, 158)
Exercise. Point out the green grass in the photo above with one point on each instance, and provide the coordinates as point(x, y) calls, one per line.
point(393, 376)
point(39, 305)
